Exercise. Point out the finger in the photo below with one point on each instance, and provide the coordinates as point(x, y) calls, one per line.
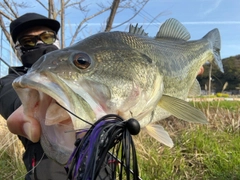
point(24, 126)
point(201, 70)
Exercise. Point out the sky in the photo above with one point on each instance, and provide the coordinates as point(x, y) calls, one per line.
point(198, 16)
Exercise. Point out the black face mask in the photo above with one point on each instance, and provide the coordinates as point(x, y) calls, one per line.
point(31, 55)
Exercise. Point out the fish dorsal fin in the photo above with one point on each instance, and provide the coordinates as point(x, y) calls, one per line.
point(173, 29)
point(137, 30)
point(158, 133)
point(182, 109)
point(195, 89)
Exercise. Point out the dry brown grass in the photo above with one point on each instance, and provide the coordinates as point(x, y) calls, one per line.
point(8, 141)
point(218, 119)
point(10, 147)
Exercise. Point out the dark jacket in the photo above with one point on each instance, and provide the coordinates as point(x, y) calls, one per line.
point(45, 169)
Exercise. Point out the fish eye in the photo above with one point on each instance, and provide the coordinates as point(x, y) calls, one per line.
point(82, 60)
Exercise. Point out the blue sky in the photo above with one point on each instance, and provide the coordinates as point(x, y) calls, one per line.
point(198, 16)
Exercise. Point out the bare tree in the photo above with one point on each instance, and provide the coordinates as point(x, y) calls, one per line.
point(9, 10)
point(62, 22)
point(5, 31)
point(87, 18)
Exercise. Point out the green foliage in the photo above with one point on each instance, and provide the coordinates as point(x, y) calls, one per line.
point(231, 75)
point(227, 105)
point(10, 167)
point(222, 95)
point(208, 96)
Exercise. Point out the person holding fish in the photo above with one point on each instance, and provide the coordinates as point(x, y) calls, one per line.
point(172, 79)
point(34, 35)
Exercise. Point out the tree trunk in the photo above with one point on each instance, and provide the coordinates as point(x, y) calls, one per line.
point(62, 24)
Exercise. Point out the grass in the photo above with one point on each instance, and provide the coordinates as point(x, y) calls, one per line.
point(11, 151)
point(198, 154)
point(229, 105)
point(201, 151)
point(205, 152)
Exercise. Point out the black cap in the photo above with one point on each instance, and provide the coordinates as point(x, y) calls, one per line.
point(30, 20)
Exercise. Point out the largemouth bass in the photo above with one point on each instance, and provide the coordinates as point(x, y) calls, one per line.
point(128, 74)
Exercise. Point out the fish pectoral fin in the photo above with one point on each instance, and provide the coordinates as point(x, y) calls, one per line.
point(157, 132)
point(195, 89)
point(182, 109)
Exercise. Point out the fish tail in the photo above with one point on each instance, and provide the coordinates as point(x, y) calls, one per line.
point(215, 40)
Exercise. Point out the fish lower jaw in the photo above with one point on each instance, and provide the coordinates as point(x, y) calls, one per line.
point(58, 135)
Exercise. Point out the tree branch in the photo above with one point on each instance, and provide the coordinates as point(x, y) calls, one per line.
point(39, 1)
point(6, 16)
point(7, 34)
point(114, 8)
point(10, 8)
point(63, 23)
point(132, 16)
point(85, 20)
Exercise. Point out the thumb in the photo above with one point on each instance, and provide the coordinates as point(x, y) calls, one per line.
point(20, 124)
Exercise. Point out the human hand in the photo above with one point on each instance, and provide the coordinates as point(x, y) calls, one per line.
point(18, 123)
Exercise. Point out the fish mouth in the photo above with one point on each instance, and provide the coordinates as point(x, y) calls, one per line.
point(42, 96)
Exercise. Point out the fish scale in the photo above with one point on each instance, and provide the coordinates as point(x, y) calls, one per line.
point(185, 57)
